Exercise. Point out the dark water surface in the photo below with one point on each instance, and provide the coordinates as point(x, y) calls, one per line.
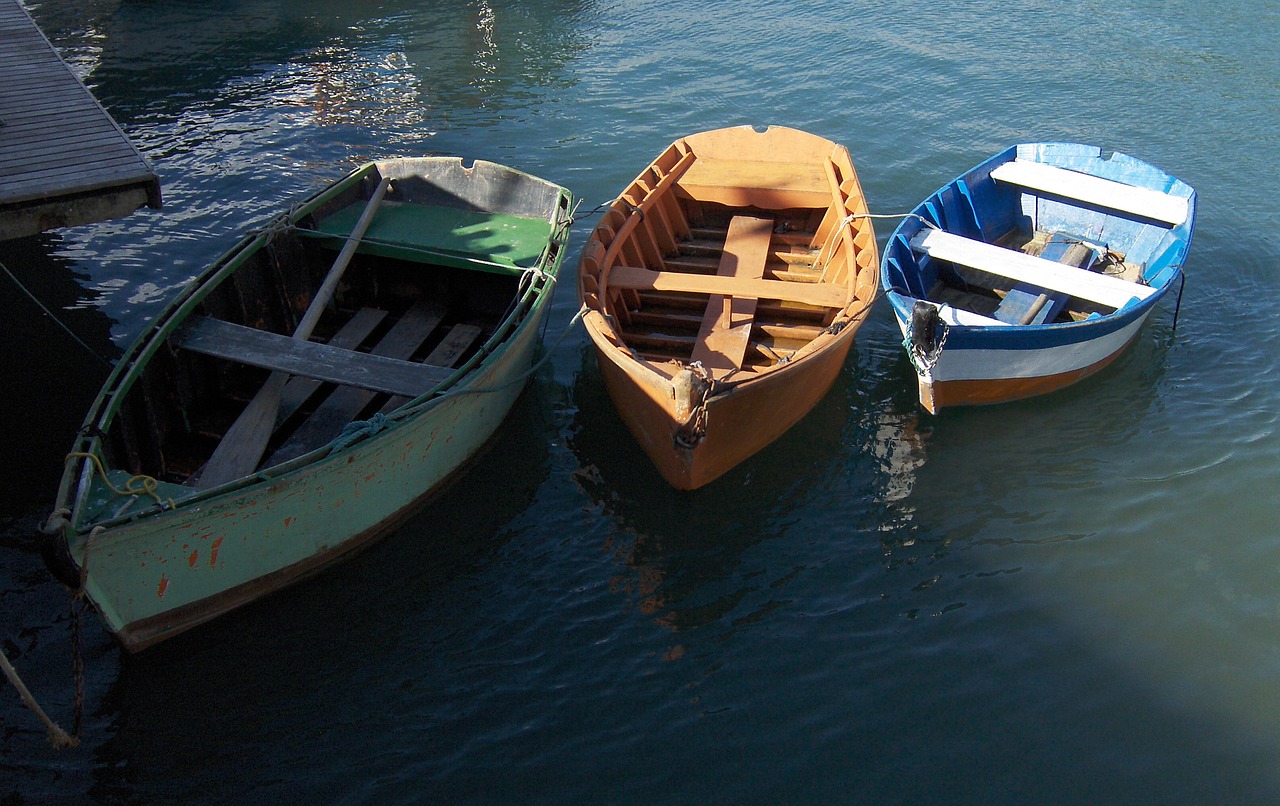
point(1074, 599)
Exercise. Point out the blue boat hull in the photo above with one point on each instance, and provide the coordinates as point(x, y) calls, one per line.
point(971, 234)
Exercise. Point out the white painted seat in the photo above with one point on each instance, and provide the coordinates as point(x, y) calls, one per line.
point(1024, 268)
point(1094, 190)
point(959, 316)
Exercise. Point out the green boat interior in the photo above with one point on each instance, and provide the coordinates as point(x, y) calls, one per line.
point(450, 236)
point(402, 322)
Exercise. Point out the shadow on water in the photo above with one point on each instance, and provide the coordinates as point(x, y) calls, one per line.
point(680, 553)
point(50, 377)
point(356, 645)
point(49, 381)
point(1024, 541)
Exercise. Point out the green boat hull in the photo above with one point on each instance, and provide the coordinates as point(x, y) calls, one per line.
point(159, 555)
point(164, 574)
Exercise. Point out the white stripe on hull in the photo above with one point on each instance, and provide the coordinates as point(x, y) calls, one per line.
point(957, 364)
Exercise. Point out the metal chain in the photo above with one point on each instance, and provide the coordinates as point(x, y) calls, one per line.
point(924, 362)
point(77, 662)
point(691, 433)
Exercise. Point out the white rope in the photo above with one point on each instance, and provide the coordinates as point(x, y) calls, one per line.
point(58, 737)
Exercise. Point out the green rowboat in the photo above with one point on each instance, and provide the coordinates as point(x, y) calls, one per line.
point(307, 391)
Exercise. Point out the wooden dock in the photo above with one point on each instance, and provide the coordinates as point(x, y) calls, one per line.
point(63, 160)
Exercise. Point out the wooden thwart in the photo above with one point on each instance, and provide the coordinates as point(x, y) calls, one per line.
point(298, 389)
point(825, 295)
point(1028, 303)
point(1094, 190)
point(767, 184)
point(341, 407)
point(242, 446)
point(1079, 283)
point(726, 325)
point(309, 359)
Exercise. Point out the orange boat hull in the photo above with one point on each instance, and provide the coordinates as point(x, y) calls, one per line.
point(740, 421)
point(723, 291)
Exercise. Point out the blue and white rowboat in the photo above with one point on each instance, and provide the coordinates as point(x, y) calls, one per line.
point(1033, 270)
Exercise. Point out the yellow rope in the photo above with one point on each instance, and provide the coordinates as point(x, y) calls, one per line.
point(148, 484)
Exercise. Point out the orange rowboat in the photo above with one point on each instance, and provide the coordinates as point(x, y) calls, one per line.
point(723, 288)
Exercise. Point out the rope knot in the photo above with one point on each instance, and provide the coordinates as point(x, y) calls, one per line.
point(358, 430)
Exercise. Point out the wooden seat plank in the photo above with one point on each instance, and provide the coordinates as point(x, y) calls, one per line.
point(330, 417)
point(1094, 190)
point(1100, 288)
point(1028, 303)
point(825, 295)
point(449, 350)
point(726, 325)
point(746, 183)
point(273, 351)
point(298, 389)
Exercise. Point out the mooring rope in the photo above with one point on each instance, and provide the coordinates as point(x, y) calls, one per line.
point(1177, 308)
point(55, 319)
point(359, 429)
point(58, 737)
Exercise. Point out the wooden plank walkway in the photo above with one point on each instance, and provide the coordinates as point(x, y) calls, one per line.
point(63, 160)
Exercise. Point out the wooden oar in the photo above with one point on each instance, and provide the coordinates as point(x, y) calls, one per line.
point(242, 446)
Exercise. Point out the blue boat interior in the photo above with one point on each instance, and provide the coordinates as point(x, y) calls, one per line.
point(1030, 304)
point(985, 210)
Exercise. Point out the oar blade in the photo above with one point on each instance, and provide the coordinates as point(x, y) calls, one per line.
point(245, 442)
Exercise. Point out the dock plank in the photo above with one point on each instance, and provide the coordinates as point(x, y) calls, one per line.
point(57, 143)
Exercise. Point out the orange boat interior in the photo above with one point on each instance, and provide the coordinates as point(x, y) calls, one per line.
point(734, 263)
